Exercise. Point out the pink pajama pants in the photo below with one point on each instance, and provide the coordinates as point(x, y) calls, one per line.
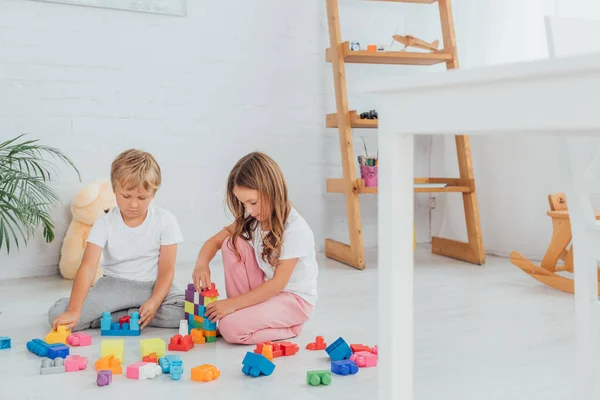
point(280, 317)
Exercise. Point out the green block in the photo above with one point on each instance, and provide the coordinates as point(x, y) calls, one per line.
point(211, 339)
point(316, 378)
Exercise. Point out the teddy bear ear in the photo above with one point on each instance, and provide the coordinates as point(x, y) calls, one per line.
point(86, 195)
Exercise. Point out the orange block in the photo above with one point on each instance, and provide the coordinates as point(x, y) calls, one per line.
point(205, 373)
point(210, 333)
point(150, 358)
point(267, 351)
point(371, 47)
point(198, 318)
point(197, 336)
point(109, 363)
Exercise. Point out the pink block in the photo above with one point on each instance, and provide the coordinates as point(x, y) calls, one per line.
point(364, 359)
point(375, 350)
point(79, 339)
point(133, 370)
point(74, 363)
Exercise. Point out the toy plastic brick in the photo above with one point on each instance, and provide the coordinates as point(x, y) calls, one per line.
point(79, 339)
point(257, 364)
point(197, 336)
point(39, 347)
point(60, 350)
point(176, 369)
point(344, 367)
point(150, 358)
point(339, 350)
point(166, 361)
point(109, 363)
point(143, 370)
point(183, 328)
point(181, 343)
point(56, 366)
point(318, 344)
point(316, 378)
point(205, 373)
point(4, 342)
point(133, 370)
point(58, 336)
point(75, 363)
point(364, 359)
point(154, 345)
point(126, 326)
point(375, 350)
point(279, 348)
point(104, 378)
point(113, 347)
point(267, 351)
point(359, 347)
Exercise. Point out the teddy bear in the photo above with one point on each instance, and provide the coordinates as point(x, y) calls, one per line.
point(88, 205)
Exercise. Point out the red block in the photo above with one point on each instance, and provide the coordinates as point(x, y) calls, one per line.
point(181, 343)
point(151, 358)
point(289, 349)
point(124, 320)
point(359, 347)
point(318, 344)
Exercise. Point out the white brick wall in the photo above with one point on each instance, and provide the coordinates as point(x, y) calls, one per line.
point(198, 92)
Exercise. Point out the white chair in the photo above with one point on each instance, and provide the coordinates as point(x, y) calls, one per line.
point(580, 168)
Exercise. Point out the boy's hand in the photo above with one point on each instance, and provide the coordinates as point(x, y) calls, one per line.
point(68, 318)
point(148, 311)
point(201, 277)
point(220, 308)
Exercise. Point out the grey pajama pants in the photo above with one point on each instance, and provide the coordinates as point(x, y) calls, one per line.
point(122, 297)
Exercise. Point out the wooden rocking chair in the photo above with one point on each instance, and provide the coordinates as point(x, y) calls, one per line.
point(560, 249)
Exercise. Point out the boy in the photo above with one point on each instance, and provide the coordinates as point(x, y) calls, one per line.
point(139, 241)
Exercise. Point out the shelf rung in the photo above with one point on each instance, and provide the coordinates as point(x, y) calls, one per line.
point(331, 121)
point(389, 57)
point(453, 185)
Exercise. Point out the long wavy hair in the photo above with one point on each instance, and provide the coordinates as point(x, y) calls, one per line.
point(259, 172)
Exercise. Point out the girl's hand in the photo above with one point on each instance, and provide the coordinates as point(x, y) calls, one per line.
point(147, 312)
point(220, 308)
point(201, 277)
point(68, 318)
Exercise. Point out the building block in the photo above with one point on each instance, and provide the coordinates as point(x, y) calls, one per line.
point(211, 339)
point(318, 344)
point(359, 347)
point(181, 343)
point(279, 348)
point(257, 364)
point(166, 361)
point(104, 378)
point(188, 307)
point(58, 336)
point(155, 345)
point(143, 370)
point(5, 343)
point(375, 350)
point(289, 348)
point(60, 350)
point(205, 373)
point(364, 359)
point(126, 326)
point(210, 292)
point(339, 350)
point(197, 336)
point(183, 328)
point(150, 358)
point(209, 325)
point(316, 378)
point(176, 369)
point(79, 339)
point(109, 363)
point(267, 351)
point(39, 347)
point(344, 367)
point(75, 363)
point(113, 347)
point(56, 366)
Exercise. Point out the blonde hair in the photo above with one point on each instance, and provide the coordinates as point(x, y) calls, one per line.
point(135, 168)
point(259, 172)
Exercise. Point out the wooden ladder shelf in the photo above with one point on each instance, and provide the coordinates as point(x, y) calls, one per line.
point(345, 119)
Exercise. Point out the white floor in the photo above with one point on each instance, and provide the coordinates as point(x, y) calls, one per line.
point(486, 332)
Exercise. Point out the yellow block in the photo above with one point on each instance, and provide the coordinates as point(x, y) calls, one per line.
point(113, 347)
point(58, 336)
point(189, 307)
point(208, 300)
point(155, 345)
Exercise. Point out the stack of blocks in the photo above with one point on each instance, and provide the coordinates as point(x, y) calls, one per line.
point(126, 326)
point(195, 307)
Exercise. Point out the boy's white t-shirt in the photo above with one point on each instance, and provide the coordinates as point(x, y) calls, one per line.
point(298, 242)
point(132, 253)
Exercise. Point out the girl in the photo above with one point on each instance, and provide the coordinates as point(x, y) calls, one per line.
point(268, 255)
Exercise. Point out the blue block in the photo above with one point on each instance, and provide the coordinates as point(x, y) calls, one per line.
point(209, 326)
point(201, 311)
point(166, 362)
point(119, 333)
point(344, 367)
point(39, 347)
point(61, 351)
point(339, 350)
point(4, 342)
point(109, 328)
point(257, 364)
point(176, 369)
point(105, 321)
point(135, 321)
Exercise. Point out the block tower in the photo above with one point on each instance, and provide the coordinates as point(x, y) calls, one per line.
point(195, 307)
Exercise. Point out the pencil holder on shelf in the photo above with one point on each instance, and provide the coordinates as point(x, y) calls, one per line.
point(369, 175)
